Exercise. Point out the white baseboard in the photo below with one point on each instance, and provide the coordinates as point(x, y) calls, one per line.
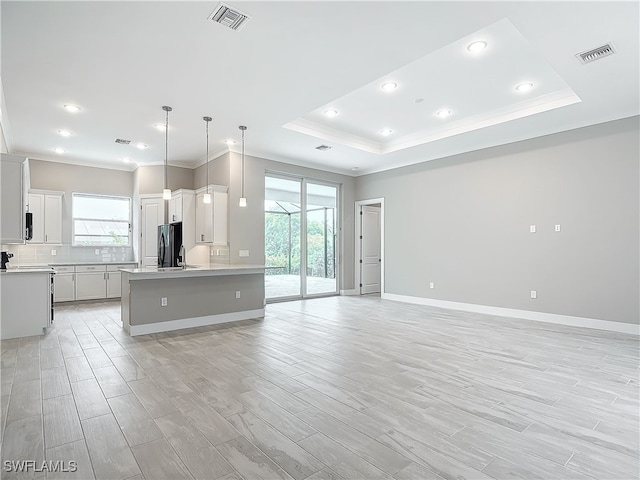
point(171, 325)
point(353, 291)
point(523, 314)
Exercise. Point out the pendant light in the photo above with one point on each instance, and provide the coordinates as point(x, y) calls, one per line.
point(243, 199)
point(207, 196)
point(166, 193)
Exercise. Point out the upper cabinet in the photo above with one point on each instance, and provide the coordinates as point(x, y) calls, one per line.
point(182, 209)
point(13, 170)
point(211, 218)
point(46, 207)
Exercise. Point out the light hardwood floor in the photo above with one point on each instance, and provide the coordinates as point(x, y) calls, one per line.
point(333, 388)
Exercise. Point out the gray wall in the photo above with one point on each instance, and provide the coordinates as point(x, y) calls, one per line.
point(80, 179)
point(246, 225)
point(463, 223)
point(150, 179)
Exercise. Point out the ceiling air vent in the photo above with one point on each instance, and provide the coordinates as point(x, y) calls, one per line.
point(596, 53)
point(122, 141)
point(229, 17)
point(323, 148)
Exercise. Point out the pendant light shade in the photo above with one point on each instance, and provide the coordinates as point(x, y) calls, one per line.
point(207, 196)
point(166, 192)
point(243, 199)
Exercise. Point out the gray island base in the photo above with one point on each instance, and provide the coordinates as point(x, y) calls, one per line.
point(166, 299)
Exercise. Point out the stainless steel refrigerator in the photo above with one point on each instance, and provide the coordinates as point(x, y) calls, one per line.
point(169, 245)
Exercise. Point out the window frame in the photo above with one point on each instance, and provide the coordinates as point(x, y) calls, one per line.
point(75, 195)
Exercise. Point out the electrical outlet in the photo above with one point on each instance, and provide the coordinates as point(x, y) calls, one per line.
point(211, 252)
point(97, 251)
point(217, 252)
point(557, 228)
point(243, 253)
point(534, 294)
point(237, 293)
point(432, 285)
point(163, 301)
point(54, 253)
point(532, 229)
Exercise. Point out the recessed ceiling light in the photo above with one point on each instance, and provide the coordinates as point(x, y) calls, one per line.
point(477, 46)
point(72, 108)
point(354, 168)
point(386, 131)
point(59, 150)
point(443, 113)
point(331, 112)
point(64, 133)
point(389, 86)
point(230, 142)
point(141, 146)
point(127, 160)
point(419, 100)
point(160, 126)
point(524, 87)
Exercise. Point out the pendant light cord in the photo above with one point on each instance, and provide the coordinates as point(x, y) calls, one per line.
point(243, 161)
point(166, 143)
point(207, 119)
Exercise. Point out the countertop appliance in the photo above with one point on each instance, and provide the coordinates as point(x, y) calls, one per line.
point(5, 259)
point(170, 245)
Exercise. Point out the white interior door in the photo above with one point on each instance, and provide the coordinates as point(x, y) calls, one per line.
point(370, 250)
point(152, 215)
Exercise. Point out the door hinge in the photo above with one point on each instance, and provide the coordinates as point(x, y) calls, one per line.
point(360, 211)
point(360, 285)
point(360, 260)
point(360, 237)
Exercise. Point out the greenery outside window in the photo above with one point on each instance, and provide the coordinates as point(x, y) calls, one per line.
point(101, 220)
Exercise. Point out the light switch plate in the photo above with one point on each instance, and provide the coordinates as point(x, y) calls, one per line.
point(243, 253)
point(163, 301)
point(237, 293)
point(432, 285)
point(53, 253)
point(557, 228)
point(534, 294)
point(532, 229)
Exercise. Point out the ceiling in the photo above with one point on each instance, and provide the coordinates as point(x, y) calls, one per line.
point(122, 61)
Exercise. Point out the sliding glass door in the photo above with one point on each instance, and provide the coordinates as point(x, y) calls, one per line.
point(321, 238)
point(300, 265)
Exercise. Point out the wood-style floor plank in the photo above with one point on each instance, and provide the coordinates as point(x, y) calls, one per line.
point(338, 388)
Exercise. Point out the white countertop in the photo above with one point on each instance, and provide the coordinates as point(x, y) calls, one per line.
point(207, 270)
point(14, 270)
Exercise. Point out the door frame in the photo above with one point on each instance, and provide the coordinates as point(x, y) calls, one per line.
point(358, 247)
point(140, 198)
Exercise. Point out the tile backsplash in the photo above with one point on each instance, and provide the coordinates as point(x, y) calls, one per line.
point(43, 254)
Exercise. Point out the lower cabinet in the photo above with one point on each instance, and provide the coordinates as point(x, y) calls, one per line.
point(90, 282)
point(113, 281)
point(87, 282)
point(64, 281)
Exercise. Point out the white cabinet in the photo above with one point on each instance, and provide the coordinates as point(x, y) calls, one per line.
point(182, 209)
point(211, 218)
point(64, 289)
point(90, 282)
point(151, 215)
point(12, 198)
point(26, 303)
point(46, 208)
point(113, 281)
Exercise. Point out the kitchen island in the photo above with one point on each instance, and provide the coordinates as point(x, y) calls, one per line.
point(166, 299)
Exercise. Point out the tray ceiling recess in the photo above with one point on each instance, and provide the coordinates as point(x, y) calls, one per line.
point(489, 77)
